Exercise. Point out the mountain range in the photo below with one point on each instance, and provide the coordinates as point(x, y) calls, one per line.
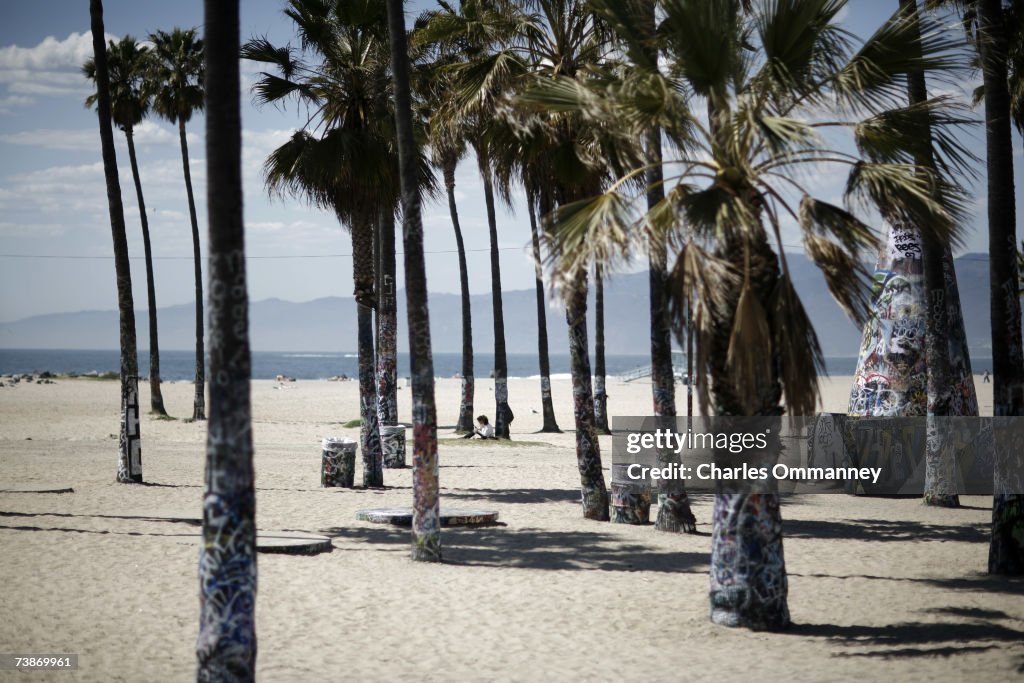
point(328, 324)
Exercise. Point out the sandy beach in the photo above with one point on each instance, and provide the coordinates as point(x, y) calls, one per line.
point(878, 587)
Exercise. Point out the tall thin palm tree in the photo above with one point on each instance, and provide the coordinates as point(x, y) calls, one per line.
point(177, 83)
point(387, 330)
point(127, 66)
point(600, 393)
point(465, 420)
point(1006, 551)
point(346, 159)
point(771, 81)
point(940, 479)
point(226, 646)
point(129, 451)
point(475, 33)
point(547, 405)
point(448, 148)
point(426, 529)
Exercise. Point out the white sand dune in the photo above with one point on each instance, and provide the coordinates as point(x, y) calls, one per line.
point(879, 588)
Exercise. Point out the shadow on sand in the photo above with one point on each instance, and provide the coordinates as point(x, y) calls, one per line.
point(884, 530)
point(914, 639)
point(535, 549)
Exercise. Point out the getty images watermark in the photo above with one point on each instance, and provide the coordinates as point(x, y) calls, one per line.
point(823, 454)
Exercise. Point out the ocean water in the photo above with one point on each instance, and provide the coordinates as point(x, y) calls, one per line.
point(180, 365)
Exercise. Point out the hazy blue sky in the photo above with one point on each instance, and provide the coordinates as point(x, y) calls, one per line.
point(53, 202)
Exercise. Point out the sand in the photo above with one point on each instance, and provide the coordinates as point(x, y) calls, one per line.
point(879, 588)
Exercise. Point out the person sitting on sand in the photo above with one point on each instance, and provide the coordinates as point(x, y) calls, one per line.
point(483, 429)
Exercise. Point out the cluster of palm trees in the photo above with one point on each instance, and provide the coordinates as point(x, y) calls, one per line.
point(683, 129)
point(163, 75)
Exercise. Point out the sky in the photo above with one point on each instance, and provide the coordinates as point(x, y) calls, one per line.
point(52, 194)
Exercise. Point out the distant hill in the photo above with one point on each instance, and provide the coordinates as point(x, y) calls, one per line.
point(328, 324)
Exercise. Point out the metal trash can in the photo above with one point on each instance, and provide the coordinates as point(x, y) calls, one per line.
point(338, 463)
point(392, 444)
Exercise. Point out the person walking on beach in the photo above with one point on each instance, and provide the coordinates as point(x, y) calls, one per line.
point(986, 378)
point(483, 429)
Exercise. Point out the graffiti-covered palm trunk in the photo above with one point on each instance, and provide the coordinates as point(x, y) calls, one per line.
point(891, 379)
point(362, 273)
point(749, 586)
point(465, 422)
point(940, 476)
point(199, 401)
point(156, 399)
point(674, 512)
point(226, 646)
point(387, 328)
point(502, 412)
point(426, 529)
point(600, 393)
point(1006, 551)
point(129, 450)
point(594, 493)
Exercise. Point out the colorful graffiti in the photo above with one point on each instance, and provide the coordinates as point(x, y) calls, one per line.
point(748, 567)
point(892, 374)
point(387, 371)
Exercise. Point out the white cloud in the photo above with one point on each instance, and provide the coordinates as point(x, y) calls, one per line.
point(51, 54)
point(51, 138)
point(50, 68)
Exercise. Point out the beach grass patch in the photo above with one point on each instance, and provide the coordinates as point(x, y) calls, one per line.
point(351, 424)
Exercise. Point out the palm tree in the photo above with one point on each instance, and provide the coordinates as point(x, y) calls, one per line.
point(129, 451)
point(772, 82)
point(565, 40)
point(1006, 552)
point(600, 394)
point(387, 339)
point(940, 481)
point(426, 516)
point(177, 83)
point(226, 646)
point(547, 405)
point(127, 66)
point(448, 147)
point(347, 162)
point(474, 34)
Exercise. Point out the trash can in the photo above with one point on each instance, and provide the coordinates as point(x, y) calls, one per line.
point(392, 444)
point(338, 464)
point(631, 499)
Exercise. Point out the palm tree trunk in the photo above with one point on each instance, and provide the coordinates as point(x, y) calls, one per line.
point(426, 528)
point(129, 451)
point(749, 585)
point(547, 406)
point(674, 512)
point(503, 414)
point(226, 646)
point(940, 476)
point(199, 402)
point(588, 450)
point(465, 422)
point(387, 341)
point(1006, 551)
point(600, 395)
point(156, 400)
point(362, 273)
